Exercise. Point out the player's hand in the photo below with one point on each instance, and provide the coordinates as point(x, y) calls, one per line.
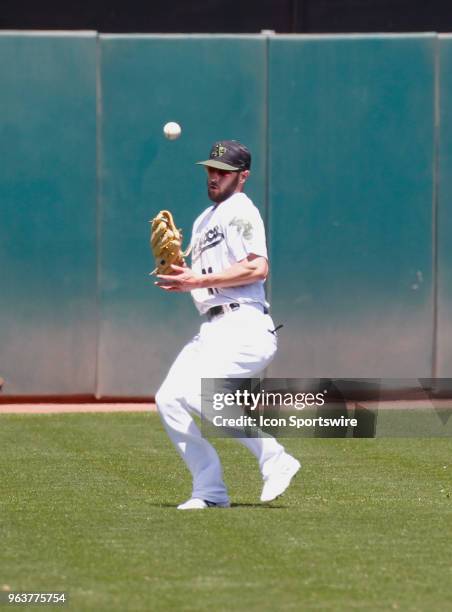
point(182, 279)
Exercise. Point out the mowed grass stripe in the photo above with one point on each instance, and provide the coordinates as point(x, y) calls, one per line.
point(87, 506)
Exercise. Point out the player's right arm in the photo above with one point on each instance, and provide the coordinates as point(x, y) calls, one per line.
point(251, 269)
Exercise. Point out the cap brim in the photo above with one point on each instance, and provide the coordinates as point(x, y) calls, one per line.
point(212, 163)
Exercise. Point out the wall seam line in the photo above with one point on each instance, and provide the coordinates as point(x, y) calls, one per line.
point(435, 205)
point(98, 213)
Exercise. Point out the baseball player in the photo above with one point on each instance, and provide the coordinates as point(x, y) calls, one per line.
point(236, 340)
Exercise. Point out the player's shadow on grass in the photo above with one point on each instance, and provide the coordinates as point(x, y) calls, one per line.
point(260, 506)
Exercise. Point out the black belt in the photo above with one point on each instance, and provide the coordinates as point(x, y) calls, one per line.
point(218, 310)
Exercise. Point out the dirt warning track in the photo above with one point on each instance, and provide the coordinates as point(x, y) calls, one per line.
point(58, 408)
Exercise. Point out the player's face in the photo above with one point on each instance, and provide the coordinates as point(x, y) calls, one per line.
point(221, 184)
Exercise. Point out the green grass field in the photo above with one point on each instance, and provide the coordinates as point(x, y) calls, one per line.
point(87, 506)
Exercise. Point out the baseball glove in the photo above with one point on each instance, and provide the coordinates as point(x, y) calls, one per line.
point(166, 243)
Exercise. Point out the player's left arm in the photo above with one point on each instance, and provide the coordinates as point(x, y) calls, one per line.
point(249, 270)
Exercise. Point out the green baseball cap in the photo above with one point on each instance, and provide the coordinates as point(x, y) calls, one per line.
point(228, 155)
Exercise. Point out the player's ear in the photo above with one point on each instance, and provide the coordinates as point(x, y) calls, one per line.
point(244, 175)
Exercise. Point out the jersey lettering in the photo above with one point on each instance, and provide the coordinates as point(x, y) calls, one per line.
point(207, 240)
point(209, 271)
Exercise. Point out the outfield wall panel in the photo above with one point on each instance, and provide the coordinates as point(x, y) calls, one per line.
point(215, 88)
point(444, 248)
point(351, 130)
point(48, 213)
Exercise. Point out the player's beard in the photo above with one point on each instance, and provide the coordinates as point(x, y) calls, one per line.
point(222, 193)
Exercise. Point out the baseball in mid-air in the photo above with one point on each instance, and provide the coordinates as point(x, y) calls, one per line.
point(172, 130)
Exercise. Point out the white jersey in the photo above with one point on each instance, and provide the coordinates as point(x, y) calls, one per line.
point(223, 235)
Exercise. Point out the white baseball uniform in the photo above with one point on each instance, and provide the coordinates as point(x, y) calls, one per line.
point(235, 344)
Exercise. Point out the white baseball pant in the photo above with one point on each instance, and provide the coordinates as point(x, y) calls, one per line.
point(237, 344)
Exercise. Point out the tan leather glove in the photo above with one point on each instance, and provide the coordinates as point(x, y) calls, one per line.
point(166, 243)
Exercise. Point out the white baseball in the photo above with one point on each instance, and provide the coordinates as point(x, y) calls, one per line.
point(172, 130)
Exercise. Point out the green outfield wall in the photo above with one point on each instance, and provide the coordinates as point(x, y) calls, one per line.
point(443, 352)
point(211, 86)
point(351, 127)
point(351, 170)
point(48, 201)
